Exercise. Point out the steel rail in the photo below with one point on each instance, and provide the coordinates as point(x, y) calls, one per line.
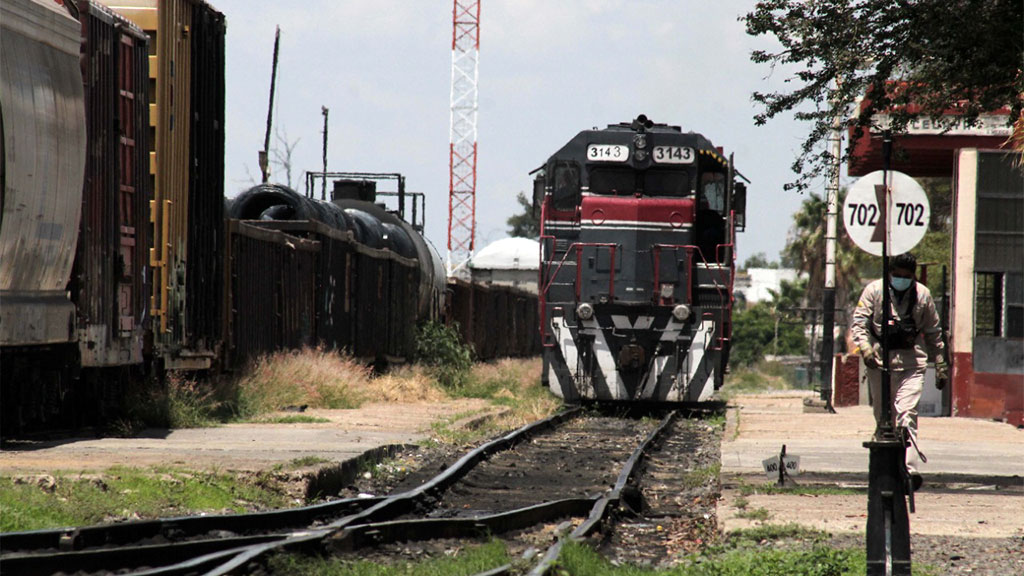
point(65, 548)
point(605, 503)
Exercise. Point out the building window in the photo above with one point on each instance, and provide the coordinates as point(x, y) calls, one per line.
point(988, 307)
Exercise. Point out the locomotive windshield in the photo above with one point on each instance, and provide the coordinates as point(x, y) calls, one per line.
point(625, 181)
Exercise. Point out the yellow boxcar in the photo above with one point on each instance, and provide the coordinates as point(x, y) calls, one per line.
point(186, 71)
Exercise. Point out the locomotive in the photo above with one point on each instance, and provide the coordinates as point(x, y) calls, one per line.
point(638, 227)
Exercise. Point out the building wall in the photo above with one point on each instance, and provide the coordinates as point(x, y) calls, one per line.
point(987, 322)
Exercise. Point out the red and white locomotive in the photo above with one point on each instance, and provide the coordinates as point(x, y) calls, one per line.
point(638, 224)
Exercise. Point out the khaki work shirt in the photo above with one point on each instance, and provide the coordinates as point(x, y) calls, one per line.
point(928, 345)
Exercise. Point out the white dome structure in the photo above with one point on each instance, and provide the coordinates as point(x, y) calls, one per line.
point(508, 262)
point(508, 254)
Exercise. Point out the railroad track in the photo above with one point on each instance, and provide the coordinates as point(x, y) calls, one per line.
point(570, 468)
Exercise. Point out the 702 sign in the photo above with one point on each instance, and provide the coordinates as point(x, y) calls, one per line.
point(867, 214)
point(900, 196)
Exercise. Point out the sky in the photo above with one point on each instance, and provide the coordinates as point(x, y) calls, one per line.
point(547, 70)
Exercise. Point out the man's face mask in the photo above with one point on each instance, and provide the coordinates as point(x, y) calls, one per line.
point(900, 284)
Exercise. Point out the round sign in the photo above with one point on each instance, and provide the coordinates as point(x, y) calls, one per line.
point(908, 212)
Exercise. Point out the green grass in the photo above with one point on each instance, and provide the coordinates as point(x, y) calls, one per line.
point(128, 493)
point(461, 561)
point(773, 488)
point(761, 377)
point(701, 476)
point(302, 462)
point(758, 514)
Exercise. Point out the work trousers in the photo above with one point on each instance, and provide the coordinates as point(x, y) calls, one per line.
point(905, 387)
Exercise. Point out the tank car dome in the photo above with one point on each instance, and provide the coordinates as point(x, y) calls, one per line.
point(508, 254)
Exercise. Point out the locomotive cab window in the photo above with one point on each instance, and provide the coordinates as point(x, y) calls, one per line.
point(712, 191)
point(566, 186)
point(673, 183)
point(612, 181)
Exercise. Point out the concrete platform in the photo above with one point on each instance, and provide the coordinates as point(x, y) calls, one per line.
point(758, 425)
point(347, 434)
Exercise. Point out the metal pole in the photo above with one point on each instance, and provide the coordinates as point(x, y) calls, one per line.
point(323, 185)
point(264, 159)
point(828, 304)
point(888, 526)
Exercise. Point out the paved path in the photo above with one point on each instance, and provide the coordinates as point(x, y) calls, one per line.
point(349, 434)
point(759, 425)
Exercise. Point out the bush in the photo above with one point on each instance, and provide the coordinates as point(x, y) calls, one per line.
point(440, 348)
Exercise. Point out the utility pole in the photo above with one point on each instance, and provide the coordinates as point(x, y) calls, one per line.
point(323, 185)
point(264, 159)
point(462, 136)
point(828, 305)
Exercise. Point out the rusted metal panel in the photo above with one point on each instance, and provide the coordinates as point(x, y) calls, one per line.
point(44, 156)
point(272, 297)
point(205, 179)
point(108, 284)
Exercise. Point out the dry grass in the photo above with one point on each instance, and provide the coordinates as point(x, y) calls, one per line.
point(312, 377)
point(319, 378)
point(405, 384)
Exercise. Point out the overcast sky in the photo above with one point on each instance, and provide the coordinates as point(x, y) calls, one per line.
point(548, 69)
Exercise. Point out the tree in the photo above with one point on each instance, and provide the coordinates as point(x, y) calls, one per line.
point(912, 58)
point(768, 328)
point(526, 224)
point(805, 250)
point(759, 260)
point(283, 154)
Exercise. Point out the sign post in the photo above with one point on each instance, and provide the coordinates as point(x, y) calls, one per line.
point(887, 213)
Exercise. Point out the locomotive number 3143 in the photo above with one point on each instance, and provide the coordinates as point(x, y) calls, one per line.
point(673, 155)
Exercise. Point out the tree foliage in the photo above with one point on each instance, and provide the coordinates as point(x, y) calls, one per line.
point(768, 328)
point(759, 260)
point(913, 58)
point(525, 224)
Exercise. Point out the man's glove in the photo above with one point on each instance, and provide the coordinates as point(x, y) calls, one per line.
point(872, 359)
point(941, 374)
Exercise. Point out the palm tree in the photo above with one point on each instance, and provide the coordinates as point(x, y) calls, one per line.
point(805, 251)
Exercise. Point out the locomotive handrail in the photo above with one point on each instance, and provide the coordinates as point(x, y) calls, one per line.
point(578, 248)
point(725, 300)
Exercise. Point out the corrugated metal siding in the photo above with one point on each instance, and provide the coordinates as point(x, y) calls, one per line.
point(272, 297)
point(205, 180)
point(44, 157)
point(108, 285)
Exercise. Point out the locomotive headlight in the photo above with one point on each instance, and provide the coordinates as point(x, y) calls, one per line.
point(585, 311)
point(681, 312)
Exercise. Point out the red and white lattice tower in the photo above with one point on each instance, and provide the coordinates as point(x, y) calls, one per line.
point(462, 138)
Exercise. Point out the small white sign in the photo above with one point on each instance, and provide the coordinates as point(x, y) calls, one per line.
point(607, 153)
point(908, 211)
point(771, 466)
point(673, 155)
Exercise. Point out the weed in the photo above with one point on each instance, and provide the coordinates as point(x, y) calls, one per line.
point(701, 476)
point(746, 489)
point(757, 514)
point(440, 347)
point(741, 502)
point(123, 493)
point(456, 562)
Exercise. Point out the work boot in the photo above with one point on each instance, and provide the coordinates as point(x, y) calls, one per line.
point(916, 481)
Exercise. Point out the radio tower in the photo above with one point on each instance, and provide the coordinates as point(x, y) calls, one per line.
point(462, 137)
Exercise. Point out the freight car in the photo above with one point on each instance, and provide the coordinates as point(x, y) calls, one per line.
point(84, 240)
point(638, 224)
point(122, 259)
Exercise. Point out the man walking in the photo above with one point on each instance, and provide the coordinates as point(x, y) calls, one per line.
point(914, 339)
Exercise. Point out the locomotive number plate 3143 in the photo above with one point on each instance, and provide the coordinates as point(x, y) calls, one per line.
point(607, 153)
point(673, 155)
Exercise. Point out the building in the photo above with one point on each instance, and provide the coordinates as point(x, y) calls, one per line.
point(987, 313)
point(757, 284)
point(511, 262)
